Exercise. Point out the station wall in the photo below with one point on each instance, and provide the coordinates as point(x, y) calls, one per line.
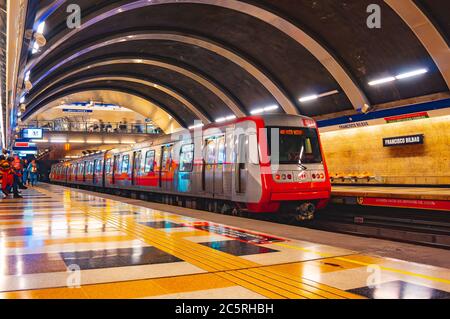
point(360, 151)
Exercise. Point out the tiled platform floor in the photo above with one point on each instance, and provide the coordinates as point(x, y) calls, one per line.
point(63, 243)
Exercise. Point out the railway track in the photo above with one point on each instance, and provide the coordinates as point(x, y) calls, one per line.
point(424, 227)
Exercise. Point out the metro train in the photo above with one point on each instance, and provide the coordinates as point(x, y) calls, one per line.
point(256, 164)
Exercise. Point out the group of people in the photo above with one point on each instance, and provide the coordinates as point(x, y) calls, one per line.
point(16, 174)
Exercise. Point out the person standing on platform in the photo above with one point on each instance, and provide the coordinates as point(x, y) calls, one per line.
point(3, 177)
point(18, 172)
point(25, 172)
point(33, 171)
point(8, 179)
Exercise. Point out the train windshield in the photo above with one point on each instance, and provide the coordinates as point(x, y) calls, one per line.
point(296, 145)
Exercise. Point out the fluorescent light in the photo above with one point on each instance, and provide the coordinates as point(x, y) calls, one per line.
point(226, 118)
point(265, 109)
point(35, 48)
point(271, 108)
point(381, 81)
point(257, 111)
point(27, 76)
point(196, 126)
point(58, 141)
point(329, 93)
point(19, 113)
point(411, 74)
point(309, 98)
point(41, 27)
point(22, 99)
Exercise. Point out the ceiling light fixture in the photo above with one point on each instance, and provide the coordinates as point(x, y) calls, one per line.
point(264, 109)
point(196, 126)
point(398, 77)
point(41, 27)
point(411, 74)
point(225, 119)
point(382, 81)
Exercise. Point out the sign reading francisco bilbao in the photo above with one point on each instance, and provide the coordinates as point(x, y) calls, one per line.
point(403, 140)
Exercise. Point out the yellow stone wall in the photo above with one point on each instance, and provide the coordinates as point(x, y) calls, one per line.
point(360, 150)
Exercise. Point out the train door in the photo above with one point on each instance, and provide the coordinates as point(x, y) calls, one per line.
point(137, 158)
point(241, 163)
point(219, 167)
point(116, 168)
point(165, 173)
point(209, 165)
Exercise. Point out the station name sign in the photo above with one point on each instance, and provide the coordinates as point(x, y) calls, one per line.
point(403, 140)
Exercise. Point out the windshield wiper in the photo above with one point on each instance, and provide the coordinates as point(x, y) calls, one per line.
point(303, 167)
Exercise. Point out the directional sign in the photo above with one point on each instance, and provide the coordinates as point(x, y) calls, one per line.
point(32, 133)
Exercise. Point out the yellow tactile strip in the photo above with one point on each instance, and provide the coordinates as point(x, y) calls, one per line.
point(247, 274)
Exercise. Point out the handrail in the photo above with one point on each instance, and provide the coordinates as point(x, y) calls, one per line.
point(99, 127)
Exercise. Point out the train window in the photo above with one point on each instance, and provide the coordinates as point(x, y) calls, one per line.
point(98, 166)
point(89, 168)
point(242, 149)
point(149, 162)
point(108, 166)
point(81, 167)
point(187, 158)
point(166, 159)
point(296, 145)
point(210, 151)
point(222, 155)
point(116, 163)
point(125, 163)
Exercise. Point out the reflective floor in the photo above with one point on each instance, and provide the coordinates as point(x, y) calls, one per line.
point(63, 243)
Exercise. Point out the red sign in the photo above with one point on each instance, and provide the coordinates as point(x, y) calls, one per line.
point(309, 123)
point(22, 144)
point(407, 117)
point(405, 203)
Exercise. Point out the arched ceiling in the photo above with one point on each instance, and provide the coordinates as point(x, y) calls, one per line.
point(206, 59)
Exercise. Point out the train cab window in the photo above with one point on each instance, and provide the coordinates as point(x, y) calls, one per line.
point(125, 163)
point(149, 162)
point(187, 158)
point(296, 145)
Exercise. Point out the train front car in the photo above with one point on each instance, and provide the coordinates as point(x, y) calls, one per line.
point(295, 178)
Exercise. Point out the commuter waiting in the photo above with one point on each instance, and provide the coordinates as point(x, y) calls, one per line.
point(33, 171)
